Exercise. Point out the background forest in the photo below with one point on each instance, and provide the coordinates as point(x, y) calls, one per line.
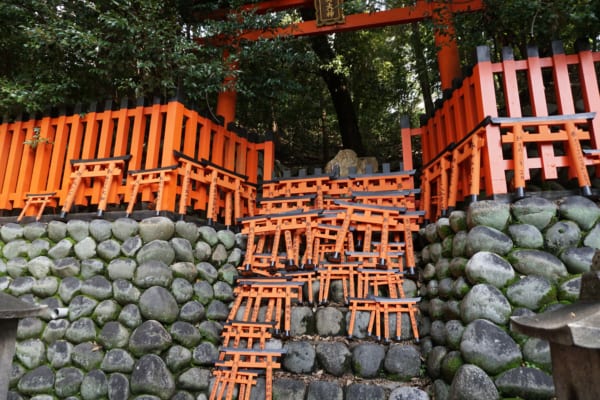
point(63, 52)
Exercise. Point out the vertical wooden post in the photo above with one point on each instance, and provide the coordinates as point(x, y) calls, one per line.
point(91, 133)
point(539, 107)
point(204, 149)
point(4, 153)
point(513, 108)
point(405, 135)
point(155, 136)
point(14, 157)
point(511, 87)
point(173, 132)
point(41, 166)
point(137, 136)
point(589, 89)
point(562, 81)
point(229, 151)
point(268, 159)
point(566, 105)
point(204, 144)
point(122, 131)
point(172, 141)
point(485, 98)
point(67, 146)
point(25, 165)
point(241, 155)
point(191, 134)
point(218, 146)
point(106, 132)
point(252, 163)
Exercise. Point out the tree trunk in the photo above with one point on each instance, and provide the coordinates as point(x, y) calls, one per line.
point(340, 93)
point(421, 63)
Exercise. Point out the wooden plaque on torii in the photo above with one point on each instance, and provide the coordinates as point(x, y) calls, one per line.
point(329, 12)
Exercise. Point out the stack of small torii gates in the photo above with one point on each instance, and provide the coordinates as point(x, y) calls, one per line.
point(317, 228)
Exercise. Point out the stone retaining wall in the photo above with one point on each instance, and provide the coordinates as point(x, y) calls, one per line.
point(145, 303)
point(480, 268)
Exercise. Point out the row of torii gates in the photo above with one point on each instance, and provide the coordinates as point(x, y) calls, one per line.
point(495, 130)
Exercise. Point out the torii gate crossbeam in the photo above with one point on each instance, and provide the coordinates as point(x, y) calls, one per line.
point(440, 11)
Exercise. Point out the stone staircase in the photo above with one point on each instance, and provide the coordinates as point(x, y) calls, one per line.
point(324, 293)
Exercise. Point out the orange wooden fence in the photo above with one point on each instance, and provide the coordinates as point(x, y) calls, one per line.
point(36, 155)
point(509, 121)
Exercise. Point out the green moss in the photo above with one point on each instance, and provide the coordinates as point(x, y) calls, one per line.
point(450, 364)
point(447, 246)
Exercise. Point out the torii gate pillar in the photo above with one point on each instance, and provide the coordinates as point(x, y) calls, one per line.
point(447, 48)
point(226, 102)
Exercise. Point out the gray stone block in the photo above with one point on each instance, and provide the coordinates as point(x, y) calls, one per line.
point(117, 360)
point(299, 358)
point(489, 347)
point(78, 229)
point(108, 250)
point(289, 389)
point(113, 335)
point(156, 228)
point(37, 381)
point(156, 250)
point(182, 290)
point(151, 376)
point(153, 273)
point(118, 387)
point(472, 383)
point(487, 302)
point(85, 249)
point(68, 381)
point(486, 238)
point(81, 330)
point(97, 287)
point(526, 383)
point(105, 311)
point(403, 362)
point(177, 358)
point(334, 357)
point(408, 393)
point(100, 229)
point(318, 390)
point(330, 322)
point(125, 292)
point(185, 270)
point(94, 385)
point(124, 228)
point(367, 359)
point(87, 356)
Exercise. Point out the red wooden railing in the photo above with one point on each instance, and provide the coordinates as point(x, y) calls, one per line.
point(36, 154)
point(510, 119)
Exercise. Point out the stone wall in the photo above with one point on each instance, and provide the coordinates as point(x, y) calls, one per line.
point(481, 267)
point(145, 303)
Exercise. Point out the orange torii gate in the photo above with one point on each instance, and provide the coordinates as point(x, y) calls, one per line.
point(440, 11)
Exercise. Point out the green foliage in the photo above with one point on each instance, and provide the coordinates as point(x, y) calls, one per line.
point(519, 23)
point(64, 52)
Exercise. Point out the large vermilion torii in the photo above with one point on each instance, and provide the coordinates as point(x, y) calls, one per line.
point(440, 11)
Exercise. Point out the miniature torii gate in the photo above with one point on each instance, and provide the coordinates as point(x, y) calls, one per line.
point(330, 19)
